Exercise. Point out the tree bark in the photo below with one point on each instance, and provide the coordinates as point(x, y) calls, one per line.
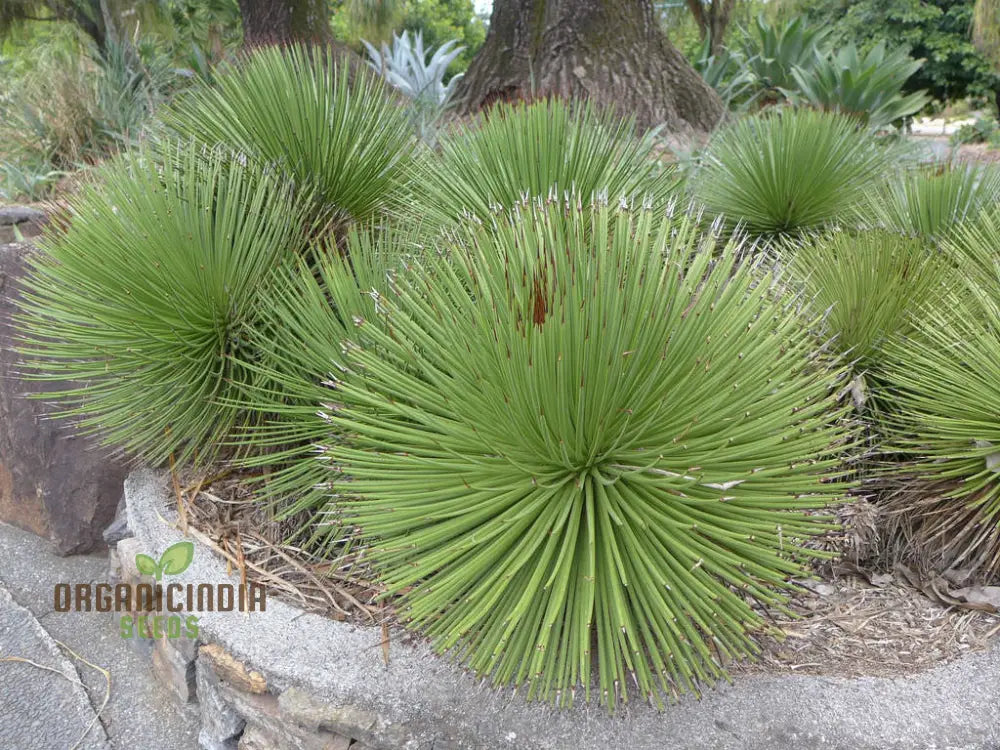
point(611, 52)
point(712, 18)
point(267, 22)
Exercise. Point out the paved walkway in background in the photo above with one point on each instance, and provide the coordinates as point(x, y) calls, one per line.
point(40, 710)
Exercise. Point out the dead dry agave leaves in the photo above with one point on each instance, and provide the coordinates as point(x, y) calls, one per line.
point(874, 624)
point(253, 542)
point(930, 533)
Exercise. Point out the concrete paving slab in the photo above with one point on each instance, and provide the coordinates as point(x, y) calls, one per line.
point(142, 713)
point(40, 708)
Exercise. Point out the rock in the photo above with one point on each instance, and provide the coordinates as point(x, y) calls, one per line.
point(301, 708)
point(174, 670)
point(233, 671)
point(53, 482)
point(257, 737)
point(126, 550)
point(307, 711)
point(118, 529)
point(11, 215)
point(221, 726)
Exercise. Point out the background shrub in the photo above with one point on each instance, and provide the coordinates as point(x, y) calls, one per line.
point(774, 50)
point(867, 86)
point(71, 110)
point(586, 432)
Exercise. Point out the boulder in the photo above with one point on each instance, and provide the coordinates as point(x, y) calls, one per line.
point(28, 222)
point(20, 215)
point(53, 481)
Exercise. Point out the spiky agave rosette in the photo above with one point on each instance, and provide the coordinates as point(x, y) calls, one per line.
point(789, 171)
point(867, 286)
point(333, 132)
point(947, 382)
point(589, 430)
point(139, 311)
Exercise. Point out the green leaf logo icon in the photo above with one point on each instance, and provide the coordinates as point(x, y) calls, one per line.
point(145, 564)
point(175, 560)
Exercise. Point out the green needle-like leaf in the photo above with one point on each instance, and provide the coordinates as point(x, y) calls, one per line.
point(139, 311)
point(587, 438)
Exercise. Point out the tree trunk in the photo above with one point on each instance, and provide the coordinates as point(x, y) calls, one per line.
point(267, 22)
point(718, 21)
point(611, 52)
point(712, 19)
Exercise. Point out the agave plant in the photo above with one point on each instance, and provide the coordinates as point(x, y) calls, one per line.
point(587, 436)
point(773, 52)
point(947, 381)
point(533, 149)
point(785, 172)
point(405, 66)
point(727, 71)
point(141, 307)
point(339, 136)
point(969, 245)
point(297, 347)
point(934, 201)
point(868, 86)
point(868, 284)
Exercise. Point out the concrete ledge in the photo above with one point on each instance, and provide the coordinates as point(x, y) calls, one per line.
point(327, 676)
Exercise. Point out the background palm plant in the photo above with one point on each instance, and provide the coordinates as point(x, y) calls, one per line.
point(145, 300)
point(335, 133)
point(533, 149)
point(587, 429)
point(789, 171)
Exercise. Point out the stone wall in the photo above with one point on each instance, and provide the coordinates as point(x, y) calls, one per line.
point(292, 679)
point(239, 709)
